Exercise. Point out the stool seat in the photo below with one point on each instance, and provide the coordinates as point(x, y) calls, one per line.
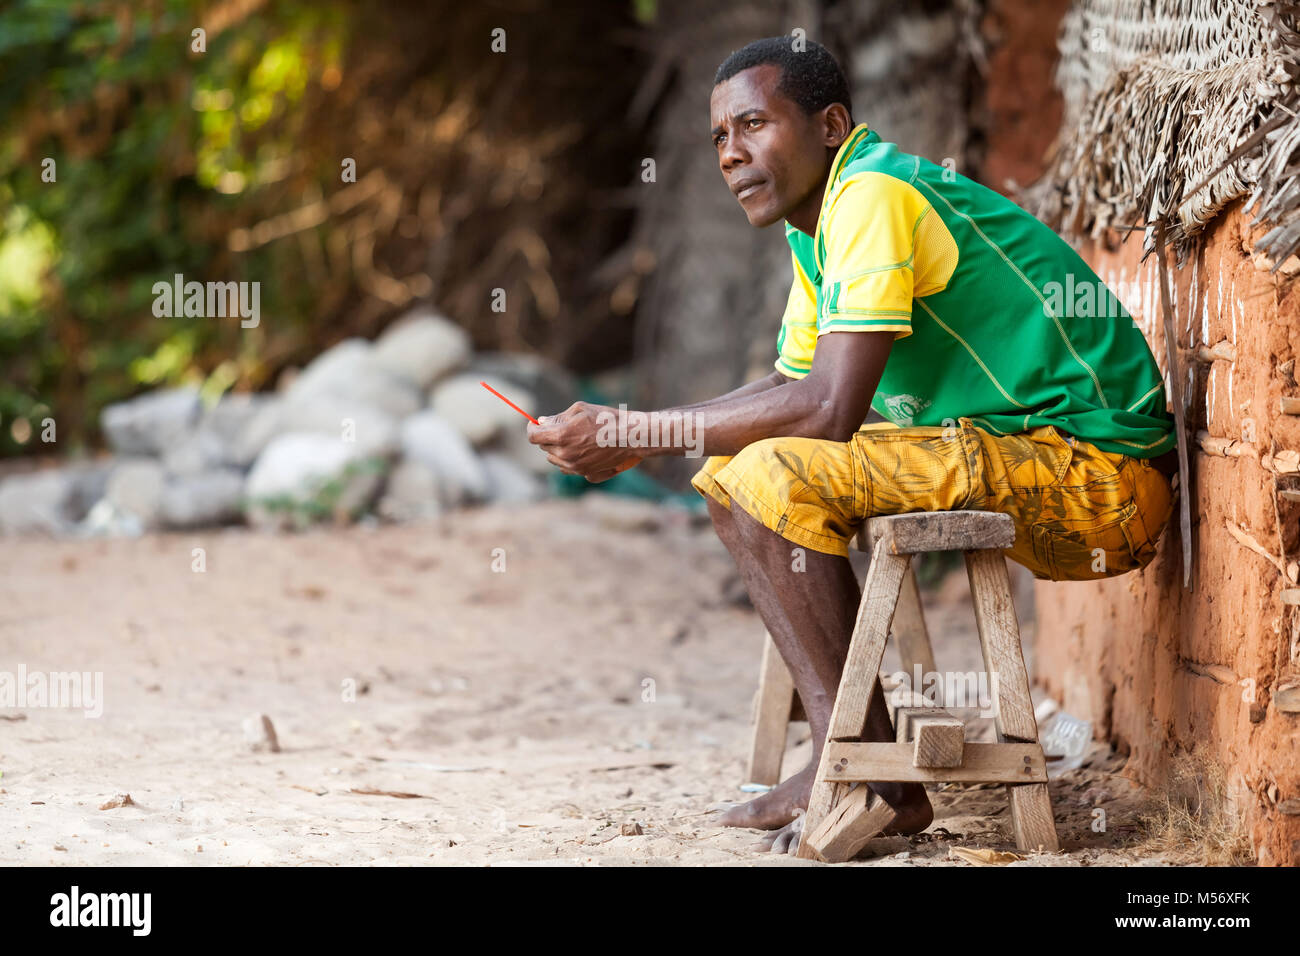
point(921, 531)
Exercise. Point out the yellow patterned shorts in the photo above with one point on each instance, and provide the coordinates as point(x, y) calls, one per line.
point(1080, 513)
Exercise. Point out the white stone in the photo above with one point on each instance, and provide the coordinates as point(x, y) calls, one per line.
point(412, 492)
point(106, 520)
point(371, 429)
point(209, 498)
point(478, 414)
point(514, 444)
point(194, 453)
point(508, 482)
point(294, 467)
point(89, 485)
point(256, 433)
point(221, 437)
point(394, 396)
point(324, 412)
point(422, 347)
point(150, 423)
point(331, 369)
point(432, 441)
point(232, 413)
point(135, 486)
point(349, 370)
point(36, 502)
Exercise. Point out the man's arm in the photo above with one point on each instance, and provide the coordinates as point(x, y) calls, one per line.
point(753, 388)
point(830, 402)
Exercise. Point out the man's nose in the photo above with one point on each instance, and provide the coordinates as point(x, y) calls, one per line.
point(732, 155)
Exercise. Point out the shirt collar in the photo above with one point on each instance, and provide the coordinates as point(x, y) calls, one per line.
point(846, 150)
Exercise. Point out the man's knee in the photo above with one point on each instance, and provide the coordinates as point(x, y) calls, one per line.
point(734, 523)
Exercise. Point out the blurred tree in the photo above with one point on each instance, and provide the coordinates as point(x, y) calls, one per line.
point(714, 302)
point(475, 170)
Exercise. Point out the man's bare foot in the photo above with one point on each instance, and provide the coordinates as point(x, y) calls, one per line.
point(780, 805)
point(777, 807)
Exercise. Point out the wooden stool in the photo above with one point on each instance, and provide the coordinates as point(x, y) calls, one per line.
point(842, 813)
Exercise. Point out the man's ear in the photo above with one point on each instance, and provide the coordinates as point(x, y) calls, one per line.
point(837, 125)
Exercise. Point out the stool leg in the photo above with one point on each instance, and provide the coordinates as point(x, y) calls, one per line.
point(909, 630)
point(1013, 711)
point(772, 709)
point(858, 681)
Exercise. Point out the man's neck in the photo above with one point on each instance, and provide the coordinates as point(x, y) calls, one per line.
point(804, 218)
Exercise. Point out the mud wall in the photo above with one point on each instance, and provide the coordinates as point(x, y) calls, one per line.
point(1161, 670)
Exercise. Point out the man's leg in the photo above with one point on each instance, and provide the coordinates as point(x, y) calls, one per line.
point(810, 615)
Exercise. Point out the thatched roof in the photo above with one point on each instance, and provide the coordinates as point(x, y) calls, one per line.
point(1174, 109)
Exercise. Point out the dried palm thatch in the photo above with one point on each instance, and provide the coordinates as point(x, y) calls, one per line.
point(1173, 110)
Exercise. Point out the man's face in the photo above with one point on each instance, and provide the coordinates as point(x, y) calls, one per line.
point(771, 154)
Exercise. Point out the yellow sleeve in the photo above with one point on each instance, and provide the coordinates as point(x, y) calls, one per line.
point(879, 234)
point(798, 335)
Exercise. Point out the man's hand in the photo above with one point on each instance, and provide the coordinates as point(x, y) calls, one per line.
point(570, 442)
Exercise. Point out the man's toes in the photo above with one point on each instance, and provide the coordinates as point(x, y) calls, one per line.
point(786, 839)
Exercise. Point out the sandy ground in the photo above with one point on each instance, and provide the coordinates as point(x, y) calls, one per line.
point(499, 718)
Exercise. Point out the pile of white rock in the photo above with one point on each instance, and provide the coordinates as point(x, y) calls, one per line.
point(399, 428)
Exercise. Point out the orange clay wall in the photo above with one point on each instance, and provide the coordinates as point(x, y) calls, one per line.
point(1163, 671)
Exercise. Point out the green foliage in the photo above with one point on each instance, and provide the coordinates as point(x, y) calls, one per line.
point(159, 152)
point(474, 171)
point(645, 10)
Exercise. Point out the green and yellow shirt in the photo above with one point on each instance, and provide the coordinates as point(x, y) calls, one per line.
point(985, 302)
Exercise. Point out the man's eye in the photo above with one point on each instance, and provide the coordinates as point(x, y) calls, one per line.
point(751, 122)
point(717, 140)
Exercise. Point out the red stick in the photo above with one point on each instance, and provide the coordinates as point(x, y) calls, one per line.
point(510, 403)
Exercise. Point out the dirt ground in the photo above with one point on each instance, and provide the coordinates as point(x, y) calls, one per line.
point(524, 716)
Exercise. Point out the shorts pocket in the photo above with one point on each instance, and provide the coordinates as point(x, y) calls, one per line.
point(1154, 497)
point(1031, 461)
point(1082, 551)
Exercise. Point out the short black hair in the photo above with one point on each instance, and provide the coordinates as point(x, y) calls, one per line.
point(810, 76)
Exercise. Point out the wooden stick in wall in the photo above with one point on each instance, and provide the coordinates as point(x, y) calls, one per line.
point(1223, 351)
point(1224, 447)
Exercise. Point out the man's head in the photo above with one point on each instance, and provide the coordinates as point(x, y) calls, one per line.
point(777, 116)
